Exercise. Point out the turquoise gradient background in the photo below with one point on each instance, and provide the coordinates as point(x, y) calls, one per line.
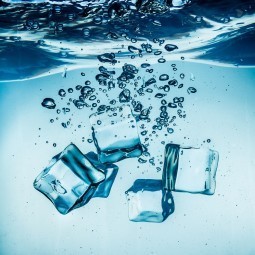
point(222, 110)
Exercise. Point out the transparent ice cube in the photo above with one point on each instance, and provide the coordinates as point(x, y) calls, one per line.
point(110, 170)
point(148, 202)
point(115, 134)
point(70, 180)
point(190, 169)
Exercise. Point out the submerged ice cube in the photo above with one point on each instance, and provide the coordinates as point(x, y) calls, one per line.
point(148, 201)
point(190, 169)
point(115, 134)
point(70, 180)
point(110, 170)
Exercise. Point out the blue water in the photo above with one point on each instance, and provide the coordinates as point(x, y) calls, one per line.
point(214, 56)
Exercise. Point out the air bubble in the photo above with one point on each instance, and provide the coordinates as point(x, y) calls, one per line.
point(145, 65)
point(173, 82)
point(97, 20)
point(158, 169)
point(161, 60)
point(144, 132)
point(142, 161)
point(191, 90)
point(163, 77)
point(91, 98)
point(79, 104)
point(113, 102)
point(135, 50)
point(86, 32)
point(166, 88)
point(160, 95)
point(149, 90)
point(163, 108)
point(62, 92)
point(65, 110)
point(107, 58)
point(172, 105)
point(48, 103)
point(163, 102)
point(170, 130)
point(158, 52)
point(170, 47)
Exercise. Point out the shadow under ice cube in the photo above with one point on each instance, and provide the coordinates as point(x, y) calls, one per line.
point(70, 180)
point(148, 201)
point(110, 170)
point(190, 169)
point(115, 134)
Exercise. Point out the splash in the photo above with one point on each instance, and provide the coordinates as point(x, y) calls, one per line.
point(73, 34)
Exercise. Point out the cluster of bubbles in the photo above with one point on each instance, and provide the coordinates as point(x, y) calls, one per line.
point(131, 86)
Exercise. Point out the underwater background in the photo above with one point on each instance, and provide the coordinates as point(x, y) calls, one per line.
point(200, 51)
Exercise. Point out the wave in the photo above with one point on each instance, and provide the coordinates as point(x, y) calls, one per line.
point(40, 37)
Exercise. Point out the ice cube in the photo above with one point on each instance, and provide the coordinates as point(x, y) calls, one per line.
point(190, 169)
point(110, 170)
point(148, 202)
point(115, 134)
point(70, 180)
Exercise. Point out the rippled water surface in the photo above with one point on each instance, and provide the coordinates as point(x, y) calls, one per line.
point(39, 37)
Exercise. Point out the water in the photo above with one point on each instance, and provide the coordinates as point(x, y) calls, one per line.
point(62, 62)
